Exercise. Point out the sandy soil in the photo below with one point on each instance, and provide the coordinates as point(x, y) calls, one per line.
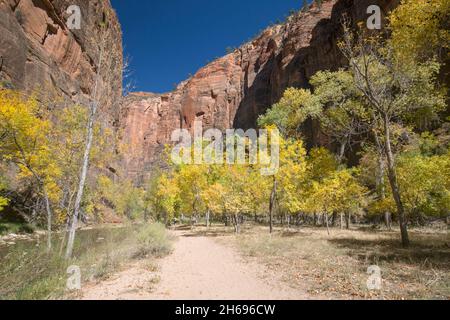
point(199, 268)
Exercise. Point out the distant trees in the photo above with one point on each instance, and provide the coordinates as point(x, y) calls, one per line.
point(304, 184)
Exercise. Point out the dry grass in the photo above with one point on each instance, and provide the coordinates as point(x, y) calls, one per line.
point(28, 272)
point(336, 266)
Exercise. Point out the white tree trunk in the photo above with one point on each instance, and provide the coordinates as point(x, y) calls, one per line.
point(49, 223)
point(85, 167)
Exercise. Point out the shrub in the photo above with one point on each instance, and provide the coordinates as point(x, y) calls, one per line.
point(153, 240)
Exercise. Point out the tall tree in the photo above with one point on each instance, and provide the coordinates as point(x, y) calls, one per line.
point(88, 146)
point(391, 91)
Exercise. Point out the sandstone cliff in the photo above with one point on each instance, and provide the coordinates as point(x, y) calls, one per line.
point(39, 53)
point(235, 89)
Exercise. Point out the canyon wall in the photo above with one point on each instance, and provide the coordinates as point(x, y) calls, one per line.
point(38, 52)
point(235, 89)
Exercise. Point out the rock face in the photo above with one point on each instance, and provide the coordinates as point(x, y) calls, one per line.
point(235, 89)
point(39, 53)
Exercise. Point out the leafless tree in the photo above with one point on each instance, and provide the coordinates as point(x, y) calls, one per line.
point(86, 158)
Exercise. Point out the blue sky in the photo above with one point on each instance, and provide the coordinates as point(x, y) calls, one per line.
point(167, 40)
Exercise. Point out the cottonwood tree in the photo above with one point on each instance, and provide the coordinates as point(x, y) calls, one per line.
point(390, 91)
point(339, 193)
point(425, 187)
point(215, 198)
point(94, 104)
point(321, 165)
point(68, 140)
point(236, 193)
point(420, 30)
point(24, 142)
point(192, 181)
point(291, 177)
point(169, 197)
point(335, 104)
point(258, 191)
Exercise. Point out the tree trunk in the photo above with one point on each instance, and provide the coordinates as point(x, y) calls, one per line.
point(342, 151)
point(272, 204)
point(208, 224)
point(394, 185)
point(86, 158)
point(388, 220)
point(34, 212)
point(63, 240)
point(82, 183)
point(381, 189)
point(348, 220)
point(49, 222)
point(334, 219)
point(236, 224)
point(326, 222)
point(342, 221)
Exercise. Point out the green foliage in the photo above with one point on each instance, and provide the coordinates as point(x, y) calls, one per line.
point(420, 30)
point(3, 201)
point(430, 144)
point(335, 103)
point(122, 196)
point(424, 185)
point(290, 111)
point(15, 227)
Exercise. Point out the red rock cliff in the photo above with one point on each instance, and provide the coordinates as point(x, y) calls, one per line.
point(39, 52)
point(235, 89)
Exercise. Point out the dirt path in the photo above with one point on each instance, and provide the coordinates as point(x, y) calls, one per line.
point(199, 269)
